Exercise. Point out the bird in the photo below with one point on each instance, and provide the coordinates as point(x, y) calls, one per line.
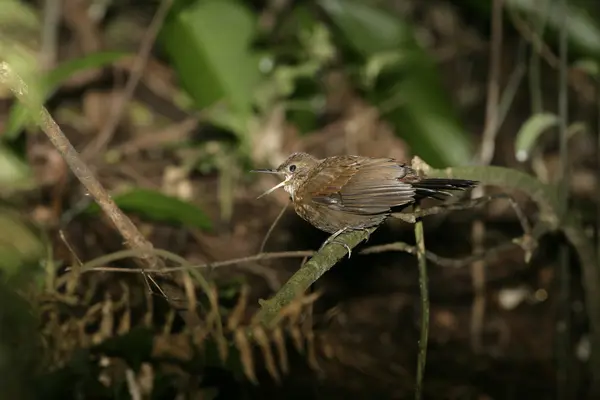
point(350, 192)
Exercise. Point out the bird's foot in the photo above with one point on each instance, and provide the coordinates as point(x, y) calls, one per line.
point(328, 241)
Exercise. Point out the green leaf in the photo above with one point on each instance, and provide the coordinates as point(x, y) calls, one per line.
point(209, 43)
point(15, 173)
point(403, 80)
point(52, 80)
point(19, 22)
point(368, 29)
point(530, 131)
point(159, 207)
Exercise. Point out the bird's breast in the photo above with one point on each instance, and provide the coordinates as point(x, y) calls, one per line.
point(291, 190)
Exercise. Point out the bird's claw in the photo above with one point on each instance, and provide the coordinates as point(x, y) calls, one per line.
point(345, 246)
point(339, 243)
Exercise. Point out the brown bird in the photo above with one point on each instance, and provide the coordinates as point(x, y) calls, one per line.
point(342, 193)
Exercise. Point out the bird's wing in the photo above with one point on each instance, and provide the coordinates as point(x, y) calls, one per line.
point(358, 185)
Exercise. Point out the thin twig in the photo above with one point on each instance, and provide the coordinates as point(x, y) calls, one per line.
point(424, 288)
point(96, 264)
point(493, 90)
point(445, 262)
point(49, 37)
point(597, 188)
point(563, 111)
point(73, 278)
point(598, 172)
point(132, 385)
point(514, 83)
point(563, 324)
point(272, 227)
point(95, 147)
point(535, 83)
point(485, 157)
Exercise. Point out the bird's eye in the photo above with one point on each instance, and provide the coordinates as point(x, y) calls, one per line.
point(292, 168)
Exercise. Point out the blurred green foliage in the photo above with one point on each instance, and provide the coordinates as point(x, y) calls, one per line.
point(209, 44)
point(51, 81)
point(581, 20)
point(15, 172)
point(530, 132)
point(408, 89)
point(528, 137)
point(156, 206)
point(19, 22)
point(20, 243)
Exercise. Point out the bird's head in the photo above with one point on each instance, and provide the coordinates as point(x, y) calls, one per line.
point(293, 169)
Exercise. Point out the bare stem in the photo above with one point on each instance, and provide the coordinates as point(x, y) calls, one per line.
point(488, 145)
point(137, 71)
point(563, 323)
point(424, 288)
point(133, 237)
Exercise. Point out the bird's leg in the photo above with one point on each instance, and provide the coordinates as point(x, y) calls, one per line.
point(331, 239)
point(411, 218)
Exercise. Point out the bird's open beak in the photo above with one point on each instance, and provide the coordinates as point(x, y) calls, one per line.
point(265, 171)
point(281, 184)
point(270, 171)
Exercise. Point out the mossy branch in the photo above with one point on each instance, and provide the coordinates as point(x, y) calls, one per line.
point(320, 263)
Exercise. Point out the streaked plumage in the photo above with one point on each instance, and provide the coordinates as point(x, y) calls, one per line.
point(354, 192)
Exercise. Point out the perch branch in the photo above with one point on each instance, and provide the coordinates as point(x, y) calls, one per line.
point(312, 270)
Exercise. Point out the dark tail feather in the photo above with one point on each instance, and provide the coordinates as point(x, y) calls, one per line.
point(438, 188)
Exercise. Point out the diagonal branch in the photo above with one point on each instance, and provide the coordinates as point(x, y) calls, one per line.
point(312, 270)
point(133, 237)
